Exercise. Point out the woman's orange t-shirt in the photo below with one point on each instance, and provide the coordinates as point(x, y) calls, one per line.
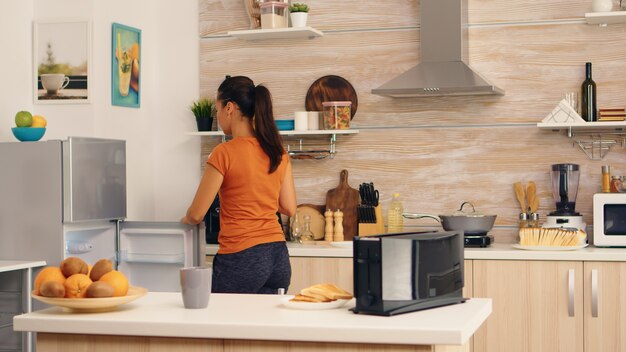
point(248, 196)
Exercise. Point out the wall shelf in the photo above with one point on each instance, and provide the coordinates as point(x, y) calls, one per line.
point(595, 139)
point(604, 18)
point(277, 33)
point(299, 151)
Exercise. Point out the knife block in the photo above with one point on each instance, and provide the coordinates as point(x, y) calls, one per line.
point(377, 228)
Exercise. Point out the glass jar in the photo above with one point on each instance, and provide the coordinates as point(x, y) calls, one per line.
point(336, 115)
point(273, 14)
point(616, 184)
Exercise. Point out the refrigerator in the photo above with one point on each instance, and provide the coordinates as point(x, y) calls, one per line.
point(63, 198)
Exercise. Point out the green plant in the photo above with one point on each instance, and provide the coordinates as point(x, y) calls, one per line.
point(202, 108)
point(298, 7)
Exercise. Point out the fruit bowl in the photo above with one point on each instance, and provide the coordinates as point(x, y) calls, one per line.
point(28, 134)
point(92, 305)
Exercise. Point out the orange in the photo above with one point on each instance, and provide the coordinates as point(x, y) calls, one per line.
point(118, 281)
point(76, 286)
point(89, 270)
point(49, 273)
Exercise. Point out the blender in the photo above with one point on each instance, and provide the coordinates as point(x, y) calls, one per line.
point(564, 189)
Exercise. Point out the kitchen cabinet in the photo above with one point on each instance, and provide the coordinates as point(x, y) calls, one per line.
point(295, 141)
point(547, 305)
point(605, 318)
point(307, 271)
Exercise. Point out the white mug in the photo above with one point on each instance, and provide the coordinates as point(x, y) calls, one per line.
point(314, 120)
point(301, 121)
point(53, 82)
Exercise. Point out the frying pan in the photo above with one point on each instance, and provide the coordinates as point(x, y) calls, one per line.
point(471, 223)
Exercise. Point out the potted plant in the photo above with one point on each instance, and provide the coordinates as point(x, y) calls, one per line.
point(298, 13)
point(203, 110)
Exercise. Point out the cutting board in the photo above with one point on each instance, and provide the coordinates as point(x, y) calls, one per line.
point(345, 198)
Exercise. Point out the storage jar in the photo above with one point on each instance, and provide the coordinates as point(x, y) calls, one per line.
point(273, 14)
point(336, 115)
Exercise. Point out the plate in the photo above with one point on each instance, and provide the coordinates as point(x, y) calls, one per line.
point(331, 88)
point(311, 305)
point(90, 305)
point(342, 244)
point(549, 248)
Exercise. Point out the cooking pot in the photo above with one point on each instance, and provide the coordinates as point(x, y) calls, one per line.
point(472, 223)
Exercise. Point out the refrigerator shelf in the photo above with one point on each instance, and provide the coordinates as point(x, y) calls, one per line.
point(177, 258)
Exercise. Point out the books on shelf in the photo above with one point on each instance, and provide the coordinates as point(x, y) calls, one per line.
point(611, 114)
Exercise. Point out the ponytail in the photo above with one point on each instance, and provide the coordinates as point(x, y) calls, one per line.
point(265, 127)
point(255, 102)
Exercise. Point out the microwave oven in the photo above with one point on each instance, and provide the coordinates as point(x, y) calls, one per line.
point(609, 219)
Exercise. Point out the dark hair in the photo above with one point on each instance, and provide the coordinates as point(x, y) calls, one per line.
point(255, 102)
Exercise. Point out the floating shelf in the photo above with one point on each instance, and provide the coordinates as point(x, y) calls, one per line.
point(277, 33)
point(595, 139)
point(603, 18)
point(284, 133)
point(298, 151)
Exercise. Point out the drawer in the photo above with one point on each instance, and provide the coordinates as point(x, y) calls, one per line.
point(9, 339)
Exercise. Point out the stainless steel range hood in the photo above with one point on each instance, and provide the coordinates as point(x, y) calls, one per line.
point(443, 69)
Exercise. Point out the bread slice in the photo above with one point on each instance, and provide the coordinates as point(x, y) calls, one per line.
point(327, 290)
point(302, 298)
point(551, 237)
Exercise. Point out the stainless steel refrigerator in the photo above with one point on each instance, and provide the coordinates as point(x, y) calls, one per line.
point(68, 198)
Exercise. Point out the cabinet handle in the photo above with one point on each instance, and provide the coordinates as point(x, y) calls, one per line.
point(571, 284)
point(594, 293)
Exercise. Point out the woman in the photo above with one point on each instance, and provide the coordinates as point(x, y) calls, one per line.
point(253, 175)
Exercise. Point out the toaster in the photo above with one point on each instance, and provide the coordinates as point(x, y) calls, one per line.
point(404, 272)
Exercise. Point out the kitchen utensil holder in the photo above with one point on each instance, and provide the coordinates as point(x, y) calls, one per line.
point(377, 228)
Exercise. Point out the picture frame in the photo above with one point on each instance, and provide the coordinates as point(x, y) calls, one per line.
point(125, 66)
point(62, 61)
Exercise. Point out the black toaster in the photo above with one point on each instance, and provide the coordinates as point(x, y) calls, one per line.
point(404, 272)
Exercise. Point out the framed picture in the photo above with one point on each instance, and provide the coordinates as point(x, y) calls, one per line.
point(125, 66)
point(62, 61)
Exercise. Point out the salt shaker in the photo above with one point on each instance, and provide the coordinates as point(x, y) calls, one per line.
point(328, 229)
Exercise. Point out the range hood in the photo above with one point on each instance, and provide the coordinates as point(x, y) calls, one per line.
point(443, 69)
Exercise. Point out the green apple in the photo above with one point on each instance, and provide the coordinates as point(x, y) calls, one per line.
point(23, 119)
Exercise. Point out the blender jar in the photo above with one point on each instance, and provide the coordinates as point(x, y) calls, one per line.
point(565, 179)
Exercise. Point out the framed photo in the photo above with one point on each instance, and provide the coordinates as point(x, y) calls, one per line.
point(125, 66)
point(62, 61)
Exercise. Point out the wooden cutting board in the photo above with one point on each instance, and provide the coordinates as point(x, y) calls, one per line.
point(345, 198)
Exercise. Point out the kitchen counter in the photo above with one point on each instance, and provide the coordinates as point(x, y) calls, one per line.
point(497, 251)
point(262, 317)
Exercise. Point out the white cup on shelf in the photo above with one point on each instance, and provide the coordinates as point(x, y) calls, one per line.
point(314, 120)
point(301, 120)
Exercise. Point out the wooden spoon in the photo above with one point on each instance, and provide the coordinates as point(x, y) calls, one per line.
point(521, 197)
point(531, 193)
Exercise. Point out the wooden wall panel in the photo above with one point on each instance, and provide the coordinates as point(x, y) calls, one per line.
point(440, 151)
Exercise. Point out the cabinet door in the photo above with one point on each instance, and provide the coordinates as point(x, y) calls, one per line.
point(307, 271)
point(605, 317)
point(530, 305)
point(468, 287)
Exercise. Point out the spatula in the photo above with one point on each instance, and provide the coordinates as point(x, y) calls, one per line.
point(531, 193)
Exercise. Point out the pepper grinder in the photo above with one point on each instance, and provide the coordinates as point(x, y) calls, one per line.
point(338, 217)
point(328, 229)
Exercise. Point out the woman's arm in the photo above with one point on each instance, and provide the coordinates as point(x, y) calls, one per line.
point(287, 195)
point(209, 185)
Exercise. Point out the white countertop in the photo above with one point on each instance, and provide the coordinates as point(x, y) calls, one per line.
point(496, 251)
point(262, 317)
point(12, 265)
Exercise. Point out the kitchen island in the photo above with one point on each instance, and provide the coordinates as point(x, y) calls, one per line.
point(159, 322)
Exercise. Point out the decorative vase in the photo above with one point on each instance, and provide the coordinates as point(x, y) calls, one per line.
point(298, 19)
point(204, 123)
point(601, 5)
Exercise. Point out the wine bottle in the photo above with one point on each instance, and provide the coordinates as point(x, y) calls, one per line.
point(588, 101)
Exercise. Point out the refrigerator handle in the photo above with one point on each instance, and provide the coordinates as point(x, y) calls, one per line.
point(118, 254)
